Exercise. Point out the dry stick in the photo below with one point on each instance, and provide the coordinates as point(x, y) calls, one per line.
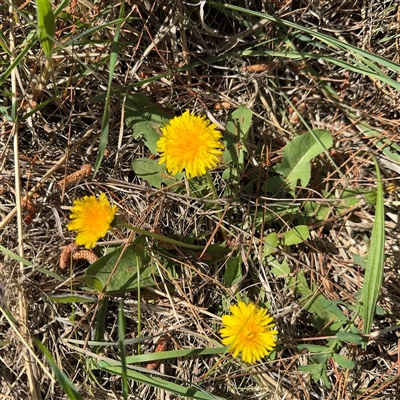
point(59, 163)
point(33, 384)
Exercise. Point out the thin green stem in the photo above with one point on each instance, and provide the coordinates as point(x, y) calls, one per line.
point(215, 197)
point(160, 237)
point(212, 186)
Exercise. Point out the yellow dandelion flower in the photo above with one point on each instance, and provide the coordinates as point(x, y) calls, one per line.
point(190, 143)
point(91, 219)
point(250, 331)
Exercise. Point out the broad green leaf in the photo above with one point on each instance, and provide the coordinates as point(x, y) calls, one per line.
point(350, 337)
point(270, 244)
point(296, 235)
point(237, 129)
point(274, 185)
point(239, 123)
point(297, 155)
point(324, 311)
point(343, 361)
point(154, 173)
point(317, 371)
point(357, 259)
point(278, 269)
point(46, 25)
point(121, 273)
point(62, 378)
point(233, 272)
point(145, 119)
point(375, 261)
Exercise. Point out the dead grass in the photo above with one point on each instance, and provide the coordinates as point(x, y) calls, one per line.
point(62, 134)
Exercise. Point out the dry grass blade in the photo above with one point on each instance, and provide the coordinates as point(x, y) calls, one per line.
point(296, 243)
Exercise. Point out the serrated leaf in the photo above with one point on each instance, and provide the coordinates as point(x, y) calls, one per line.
point(121, 273)
point(299, 152)
point(144, 118)
point(233, 271)
point(296, 235)
point(154, 173)
point(343, 361)
point(46, 25)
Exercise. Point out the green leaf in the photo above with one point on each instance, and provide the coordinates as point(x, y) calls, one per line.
point(237, 130)
point(325, 311)
point(239, 122)
point(343, 361)
point(270, 244)
point(278, 269)
point(121, 340)
point(349, 337)
point(233, 272)
point(145, 119)
point(186, 392)
point(171, 354)
point(121, 272)
point(314, 348)
point(375, 262)
point(105, 122)
point(46, 25)
point(296, 235)
point(299, 152)
point(357, 259)
point(317, 371)
point(72, 298)
point(154, 173)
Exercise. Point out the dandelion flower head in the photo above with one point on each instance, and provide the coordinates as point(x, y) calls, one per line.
point(91, 219)
point(191, 143)
point(249, 330)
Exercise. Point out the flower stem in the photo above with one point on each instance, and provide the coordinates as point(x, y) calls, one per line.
point(212, 186)
point(215, 197)
point(160, 237)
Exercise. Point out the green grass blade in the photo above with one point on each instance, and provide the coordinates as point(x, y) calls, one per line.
point(105, 125)
point(375, 262)
point(63, 379)
point(45, 25)
point(359, 56)
point(14, 256)
point(165, 355)
point(121, 338)
point(186, 392)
